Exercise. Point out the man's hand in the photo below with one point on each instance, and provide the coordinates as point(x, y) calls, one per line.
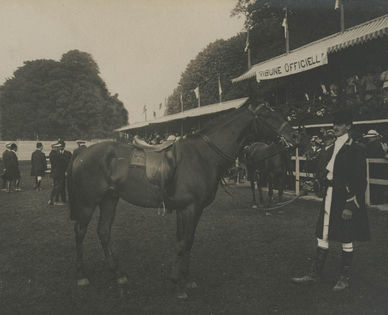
point(347, 214)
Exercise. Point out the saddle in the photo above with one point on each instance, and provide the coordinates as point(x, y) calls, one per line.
point(159, 165)
point(141, 144)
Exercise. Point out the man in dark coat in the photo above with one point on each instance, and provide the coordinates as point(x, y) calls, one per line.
point(343, 217)
point(59, 164)
point(11, 167)
point(38, 165)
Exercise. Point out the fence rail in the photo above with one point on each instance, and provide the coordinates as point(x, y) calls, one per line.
point(375, 181)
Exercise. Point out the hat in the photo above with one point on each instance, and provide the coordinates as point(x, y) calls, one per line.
point(343, 117)
point(371, 133)
point(55, 145)
point(171, 138)
point(80, 141)
point(8, 145)
point(329, 134)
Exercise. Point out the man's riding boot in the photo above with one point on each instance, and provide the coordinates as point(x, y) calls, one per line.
point(316, 269)
point(345, 269)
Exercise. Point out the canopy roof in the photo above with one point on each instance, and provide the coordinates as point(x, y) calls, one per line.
point(195, 112)
point(315, 53)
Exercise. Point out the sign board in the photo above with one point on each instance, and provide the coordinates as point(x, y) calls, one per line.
point(291, 64)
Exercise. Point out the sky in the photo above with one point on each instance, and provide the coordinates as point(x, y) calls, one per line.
point(141, 46)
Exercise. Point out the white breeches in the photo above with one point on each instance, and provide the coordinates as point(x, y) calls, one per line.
point(324, 242)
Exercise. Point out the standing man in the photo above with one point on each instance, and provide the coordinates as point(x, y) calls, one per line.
point(3, 170)
point(81, 147)
point(61, 160)
point(343, 217)
point(38, 165)
point(11, 166)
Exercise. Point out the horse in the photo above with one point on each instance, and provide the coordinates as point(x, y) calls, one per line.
point(183, 177)
point(267, 163)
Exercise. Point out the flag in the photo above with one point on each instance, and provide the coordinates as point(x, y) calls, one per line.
point(154, 113)
point(285, 23)
point(247, 42)
point(219, 87)
point(337, 4)
point(196, 91)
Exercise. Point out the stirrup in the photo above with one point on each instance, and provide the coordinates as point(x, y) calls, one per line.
point(306, 279)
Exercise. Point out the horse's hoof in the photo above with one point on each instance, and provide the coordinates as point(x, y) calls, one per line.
point(254, 206)
point(83, 282)
point(122, 280)
point(192, 285)
point(182, 296)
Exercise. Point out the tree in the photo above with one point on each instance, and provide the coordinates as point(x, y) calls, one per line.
point(222, 58)
point(46, 99)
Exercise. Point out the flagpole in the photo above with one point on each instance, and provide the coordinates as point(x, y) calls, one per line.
point(287, 32)
point(249, 51)
point(219, 88)
point(342, 17)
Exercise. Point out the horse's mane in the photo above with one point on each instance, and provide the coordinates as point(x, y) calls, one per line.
point(215, 122)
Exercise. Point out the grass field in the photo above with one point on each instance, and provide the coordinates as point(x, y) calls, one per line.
point(242, 261)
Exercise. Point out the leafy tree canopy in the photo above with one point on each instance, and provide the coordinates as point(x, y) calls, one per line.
point(47, 99)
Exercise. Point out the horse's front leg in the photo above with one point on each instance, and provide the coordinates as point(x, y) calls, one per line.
point(254, 204)
point(270, 188)
point(259, 179)
point(107, 214)
point(187, 221)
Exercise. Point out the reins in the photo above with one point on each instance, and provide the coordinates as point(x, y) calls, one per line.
point(216, 149)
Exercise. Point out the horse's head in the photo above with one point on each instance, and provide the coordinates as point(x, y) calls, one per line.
point(271, 124)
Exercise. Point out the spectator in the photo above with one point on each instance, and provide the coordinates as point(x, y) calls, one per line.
point(11, 166)
point(38, 165)
point(59, 167)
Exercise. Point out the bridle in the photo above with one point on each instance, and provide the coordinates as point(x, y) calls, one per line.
point(255, 113)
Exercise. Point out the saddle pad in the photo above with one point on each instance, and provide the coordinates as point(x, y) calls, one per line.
point(138, 158)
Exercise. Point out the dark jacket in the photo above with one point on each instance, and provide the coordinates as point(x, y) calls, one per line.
point(349, 181)
point(11, 165)
point(38, 163)
point(374, 149)
point(59, 163)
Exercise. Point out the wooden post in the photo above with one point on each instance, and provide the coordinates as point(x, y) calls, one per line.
point(297, 170)
point(367, 192)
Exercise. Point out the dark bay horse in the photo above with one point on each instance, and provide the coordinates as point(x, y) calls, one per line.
point(267, 164)
point(184, 177)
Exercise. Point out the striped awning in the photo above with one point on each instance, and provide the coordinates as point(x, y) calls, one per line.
point(316, 52)
point(195, 112)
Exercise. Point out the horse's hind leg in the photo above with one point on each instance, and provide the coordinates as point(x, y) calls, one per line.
point(107, 215)
point(282, 184)
point(80, 228)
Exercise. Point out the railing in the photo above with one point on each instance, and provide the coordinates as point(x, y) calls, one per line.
point(376, 181)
